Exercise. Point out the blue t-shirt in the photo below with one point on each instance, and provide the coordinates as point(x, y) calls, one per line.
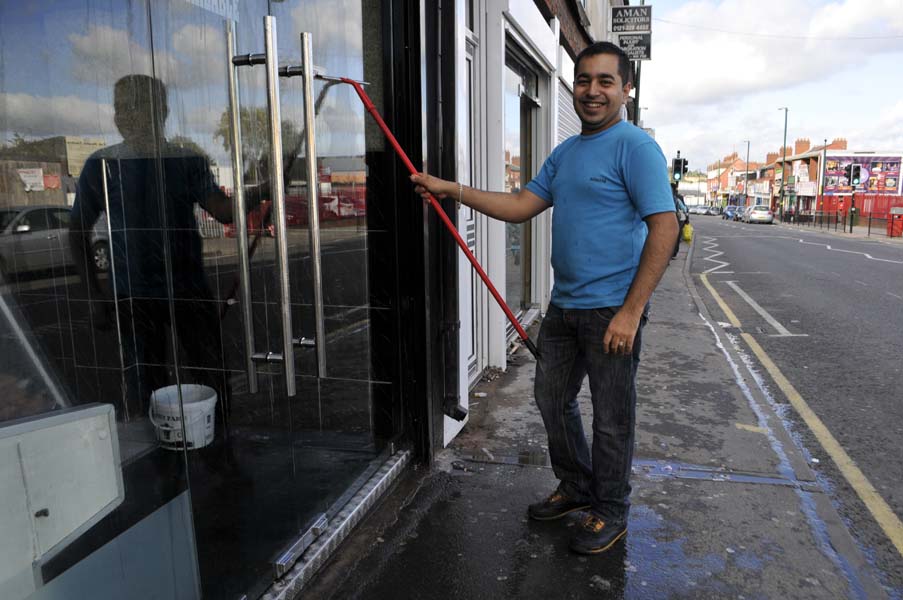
point(602, 186)
point(151, 201)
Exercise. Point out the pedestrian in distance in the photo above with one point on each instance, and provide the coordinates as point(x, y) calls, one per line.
point(613, 233)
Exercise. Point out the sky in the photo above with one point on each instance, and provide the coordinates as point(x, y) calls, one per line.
point(59, 60)
point(721, 70)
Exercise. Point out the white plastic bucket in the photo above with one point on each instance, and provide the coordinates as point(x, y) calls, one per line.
point(198, 404)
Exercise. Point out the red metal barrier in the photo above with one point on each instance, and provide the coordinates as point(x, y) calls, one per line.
point(876, 205)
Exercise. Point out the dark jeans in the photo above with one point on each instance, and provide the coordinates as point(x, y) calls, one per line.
point(570, 347)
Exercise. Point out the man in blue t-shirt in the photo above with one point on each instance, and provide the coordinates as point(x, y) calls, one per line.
point(613, 232)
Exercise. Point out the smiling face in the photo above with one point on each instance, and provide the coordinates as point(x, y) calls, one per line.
point(599, 92)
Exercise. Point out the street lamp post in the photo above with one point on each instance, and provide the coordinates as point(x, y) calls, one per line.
point(746, 175)
point(783, 161)
point(824, 173)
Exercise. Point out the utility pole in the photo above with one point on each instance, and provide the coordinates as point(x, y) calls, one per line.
point(783, 161)
point(746, 176)
point(636, 96)
point(824, 173)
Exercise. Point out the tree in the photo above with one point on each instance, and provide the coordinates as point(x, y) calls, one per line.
point(255, 138)
point(43, 150)
point(188, 143)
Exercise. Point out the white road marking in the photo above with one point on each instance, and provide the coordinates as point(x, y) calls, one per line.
point(894, 295)
point(861, 282)
point(865, 254)
point(712, 244)
point(782, 331)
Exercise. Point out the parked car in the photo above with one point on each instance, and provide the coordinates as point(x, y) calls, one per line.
point(728, 212)
point(759, 213)
point(36, 238)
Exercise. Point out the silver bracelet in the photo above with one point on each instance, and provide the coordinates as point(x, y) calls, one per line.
point(460, 191)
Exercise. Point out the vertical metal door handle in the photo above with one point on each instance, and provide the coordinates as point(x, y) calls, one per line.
point(313, 204)
point(106, 207)
point(278, 194)
point(239, 214)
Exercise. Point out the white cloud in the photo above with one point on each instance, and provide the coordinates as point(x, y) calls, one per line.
point(338, 46)
point(708, 89)
point(198, 56)
point(883, 134)
point(104, 54)
point(728, 65)
point(35, 116)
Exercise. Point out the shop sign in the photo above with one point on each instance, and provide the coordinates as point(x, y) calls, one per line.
point(806, 188)
point(32, 179)
point(52, 182)
point(880, 174)
point(78, 150)
point(631, 19)
point(638, 46)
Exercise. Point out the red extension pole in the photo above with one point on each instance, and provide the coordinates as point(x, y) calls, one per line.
point(368, 104)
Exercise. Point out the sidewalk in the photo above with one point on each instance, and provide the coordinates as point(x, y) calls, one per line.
point(878, 234)
point(724, 505)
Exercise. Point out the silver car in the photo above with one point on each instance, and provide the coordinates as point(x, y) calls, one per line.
point(36, 238)
point(760, 214)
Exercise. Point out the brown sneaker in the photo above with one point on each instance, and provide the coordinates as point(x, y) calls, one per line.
point(555, 506)
point(596, 536)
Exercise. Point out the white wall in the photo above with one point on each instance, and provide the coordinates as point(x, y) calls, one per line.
point(496, 22)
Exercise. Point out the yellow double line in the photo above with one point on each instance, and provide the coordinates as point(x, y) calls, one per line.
point(888, 521)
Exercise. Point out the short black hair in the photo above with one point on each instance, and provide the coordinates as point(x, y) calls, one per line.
point(140, 92)
point(624, 69)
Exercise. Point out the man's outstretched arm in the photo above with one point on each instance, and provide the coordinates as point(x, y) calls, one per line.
point(513, 208)
point(653, 262)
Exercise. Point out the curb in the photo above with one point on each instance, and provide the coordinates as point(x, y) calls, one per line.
point(851, 556)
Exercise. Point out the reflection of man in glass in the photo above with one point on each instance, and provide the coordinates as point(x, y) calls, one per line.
point(152, 187)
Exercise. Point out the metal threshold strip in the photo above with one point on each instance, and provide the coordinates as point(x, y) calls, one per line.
point(338, 528)
point(659, 469)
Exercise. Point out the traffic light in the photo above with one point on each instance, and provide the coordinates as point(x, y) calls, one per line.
point(677, 169)
point(848, 173)
point(855, 175)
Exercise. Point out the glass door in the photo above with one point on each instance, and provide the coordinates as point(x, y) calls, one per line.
point(225, 310)
point(279, 315)
point(341, 254)
point(160, 256)
point(86, 282)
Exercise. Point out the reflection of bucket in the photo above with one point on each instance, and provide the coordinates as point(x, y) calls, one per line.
point(198, 402)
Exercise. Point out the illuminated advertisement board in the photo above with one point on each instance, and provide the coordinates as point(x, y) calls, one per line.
point(879, 174)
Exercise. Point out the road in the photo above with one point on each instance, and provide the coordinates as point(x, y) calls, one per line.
point(828, 311)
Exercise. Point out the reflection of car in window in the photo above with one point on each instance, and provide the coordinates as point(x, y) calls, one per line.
point(36, 238)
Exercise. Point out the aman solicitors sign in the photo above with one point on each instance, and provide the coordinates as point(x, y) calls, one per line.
point(633, 27)
point(631, 19)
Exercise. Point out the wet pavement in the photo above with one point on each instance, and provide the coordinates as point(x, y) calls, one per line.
point(724, 504)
